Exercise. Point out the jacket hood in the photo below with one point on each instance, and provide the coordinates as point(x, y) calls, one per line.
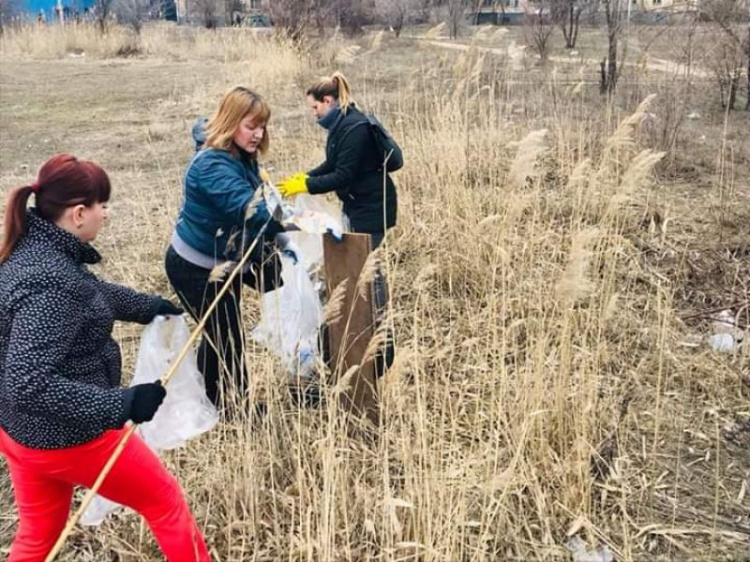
point(199, 132)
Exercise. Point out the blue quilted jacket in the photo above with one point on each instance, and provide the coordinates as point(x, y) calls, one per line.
point(219, 186)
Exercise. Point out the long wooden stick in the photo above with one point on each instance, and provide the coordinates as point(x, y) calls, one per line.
point(164, 380)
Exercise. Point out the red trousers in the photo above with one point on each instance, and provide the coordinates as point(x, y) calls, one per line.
point(43, 484)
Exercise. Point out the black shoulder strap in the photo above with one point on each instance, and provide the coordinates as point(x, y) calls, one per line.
point(346, 134)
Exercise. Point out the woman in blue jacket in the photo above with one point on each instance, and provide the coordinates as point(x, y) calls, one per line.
point(220, 218)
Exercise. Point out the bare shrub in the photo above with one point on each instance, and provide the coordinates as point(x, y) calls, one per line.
point(567, 14)
point(295, 17)
point(395, 13)
point(456, 14)
point(538, 28)
point(609, 72)
point(208, 12)
point(132, 13)
point(103, 10)
point(731, 48)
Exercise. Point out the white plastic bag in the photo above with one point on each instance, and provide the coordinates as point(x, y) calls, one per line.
point(291, 316)
point(290, 319)
point(315, 215)
point(310, 214)
point(186, 411)
point(727, 336)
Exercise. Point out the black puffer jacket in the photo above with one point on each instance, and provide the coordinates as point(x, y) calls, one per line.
point(353, 168)
point(59, 366)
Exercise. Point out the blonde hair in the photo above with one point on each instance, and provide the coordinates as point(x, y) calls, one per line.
point(236, 104)
point(336, 86)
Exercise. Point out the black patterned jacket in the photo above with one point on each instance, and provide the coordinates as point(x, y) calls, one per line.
point(59, 366)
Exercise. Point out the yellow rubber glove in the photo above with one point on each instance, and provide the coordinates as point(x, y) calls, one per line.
point(293, 185)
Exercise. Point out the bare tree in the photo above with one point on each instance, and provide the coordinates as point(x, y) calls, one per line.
point(132, 13)
point(538, 28)
point(609, 70)
point(321, 15)
point(207, 12)
point(456, 12)
point(727, 67)
point(103, 10)
point(395, 13)
point(567, 14)
point(295, 17)
point(351, 16)
point(732, 18)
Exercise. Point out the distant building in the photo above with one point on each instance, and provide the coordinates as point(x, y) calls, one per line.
point(500, 12)
point(650, 4)
point(224, 12)
point(49, 9)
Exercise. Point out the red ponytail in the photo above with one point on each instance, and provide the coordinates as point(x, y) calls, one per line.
point(15, 220)
point(63, 181)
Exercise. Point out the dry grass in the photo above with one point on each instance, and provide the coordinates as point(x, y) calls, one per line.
point(544, 384)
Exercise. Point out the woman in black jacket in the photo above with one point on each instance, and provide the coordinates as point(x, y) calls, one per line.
point(353, 167)
point(62, 409)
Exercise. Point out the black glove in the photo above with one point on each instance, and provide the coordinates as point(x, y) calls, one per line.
point(166, 308)
point(142, 401)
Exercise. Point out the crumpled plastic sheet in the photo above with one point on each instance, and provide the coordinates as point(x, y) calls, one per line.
point(186, 411)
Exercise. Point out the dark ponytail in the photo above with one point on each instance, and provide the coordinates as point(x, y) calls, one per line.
point(63, 181)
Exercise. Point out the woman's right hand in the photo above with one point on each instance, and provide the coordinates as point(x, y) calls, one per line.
point(142, 401)
point(293, 185)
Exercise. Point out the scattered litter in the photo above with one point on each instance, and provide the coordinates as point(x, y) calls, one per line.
point(186, 411)
point(577, 547)
point(726, 323)
point(727, 336)
point(724, 343)
point(315, 223)
point(693, 115)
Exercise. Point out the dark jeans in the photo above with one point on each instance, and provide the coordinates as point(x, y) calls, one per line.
point(221, 351)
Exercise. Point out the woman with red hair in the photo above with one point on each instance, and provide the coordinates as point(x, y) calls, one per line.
point(62, 409)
